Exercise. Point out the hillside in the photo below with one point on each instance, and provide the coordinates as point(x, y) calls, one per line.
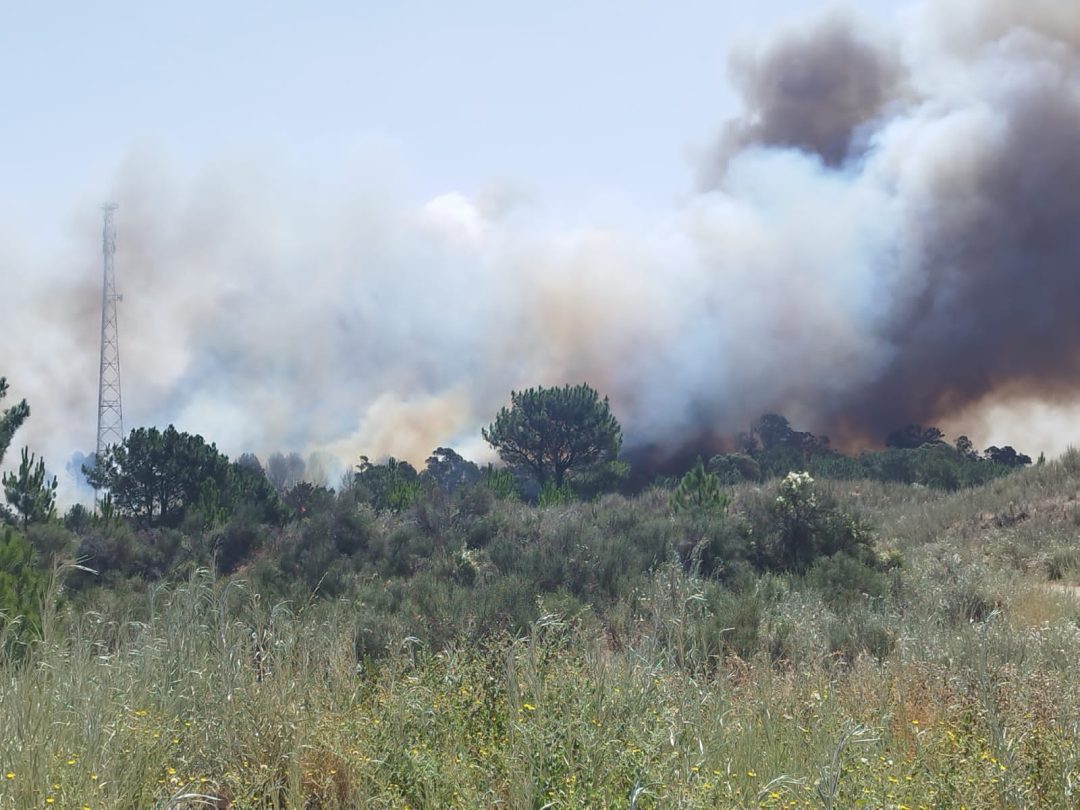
point(580, 656)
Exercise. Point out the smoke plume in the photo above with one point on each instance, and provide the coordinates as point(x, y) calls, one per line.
point(887, 234)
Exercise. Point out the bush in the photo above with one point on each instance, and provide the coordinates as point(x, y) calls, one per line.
point(736, 622)
point(799, 526)
point(1064, 564)
point(715, 548)
point(699, 493)
point(234, 546)
point(735, 468)
point(859, 632)
point(552, 494)
point(967, 601)
point(113, 551)
point(51, 540)
point(78, 519)
point(843, 580)
point(22, 586)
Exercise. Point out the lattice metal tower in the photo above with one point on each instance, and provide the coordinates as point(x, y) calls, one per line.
point(110, 426)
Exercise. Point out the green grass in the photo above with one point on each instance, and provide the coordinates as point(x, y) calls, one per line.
point(954, 683)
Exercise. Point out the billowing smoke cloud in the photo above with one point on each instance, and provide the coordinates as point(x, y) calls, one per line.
point(980, 168)
point(888, 234)
point(815, 88)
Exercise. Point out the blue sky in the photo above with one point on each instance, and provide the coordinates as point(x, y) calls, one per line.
point(566, 100)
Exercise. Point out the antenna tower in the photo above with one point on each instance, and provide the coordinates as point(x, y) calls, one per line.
point(110, 426)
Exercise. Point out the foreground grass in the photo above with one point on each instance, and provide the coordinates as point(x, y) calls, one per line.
point(214, 698)
point(269, 710)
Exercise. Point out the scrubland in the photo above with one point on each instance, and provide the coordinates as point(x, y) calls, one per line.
point(604, 654)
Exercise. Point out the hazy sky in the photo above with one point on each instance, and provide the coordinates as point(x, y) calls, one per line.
point(570, 101)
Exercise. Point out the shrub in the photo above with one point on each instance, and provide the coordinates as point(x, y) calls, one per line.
point(735, 468)
point(602, 478)
point(736, 621)
point(114, 552)
point(552, 494)
point(51, 540)
point(796, 506)
point(842, 580)
point(78, 519)
point(474, 501)
point(1064, 564)
point(234, 545)
point(22, 586)
point(714, 549)
point(858, 632)
point(806, 526)
point(699, 493)
point(967, 601)
point(1070, 460)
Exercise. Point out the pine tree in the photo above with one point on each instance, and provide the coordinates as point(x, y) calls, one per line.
point(10, 419)
point(554, 431)
point(29, 492)
point(699, 492)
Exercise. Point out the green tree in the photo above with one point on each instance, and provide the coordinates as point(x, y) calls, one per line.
point(914, 435)
point(251, 496)
point(500, 482)
point(22, 583)
point(449, 471)
point(1007, 456)
point(699, 493)
point(555, 431)
point(10, 419)
point(966, 448)
point(251, 463)
point(772, 430)
point(734, 468)
point(29, 492)
point(393, 486)
point(157, 476)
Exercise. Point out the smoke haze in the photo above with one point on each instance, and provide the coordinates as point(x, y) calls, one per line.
point(888, 234)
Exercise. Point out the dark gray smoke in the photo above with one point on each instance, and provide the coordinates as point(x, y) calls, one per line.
point(814, 89)
point(1000, 244)
point(976, 144)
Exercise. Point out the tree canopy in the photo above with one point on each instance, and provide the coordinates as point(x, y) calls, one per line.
point(553, 431)
point(1007, 456)
point(30, 492)
point(157, 477)
point(699, 492)
point(393, 485)
point(10, 419)
point(449, 471)
point(914, 435)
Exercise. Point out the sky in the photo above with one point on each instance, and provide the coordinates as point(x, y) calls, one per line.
point(306, 190)
point(580, 104)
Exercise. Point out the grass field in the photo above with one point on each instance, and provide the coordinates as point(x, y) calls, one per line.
point(951, 683)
